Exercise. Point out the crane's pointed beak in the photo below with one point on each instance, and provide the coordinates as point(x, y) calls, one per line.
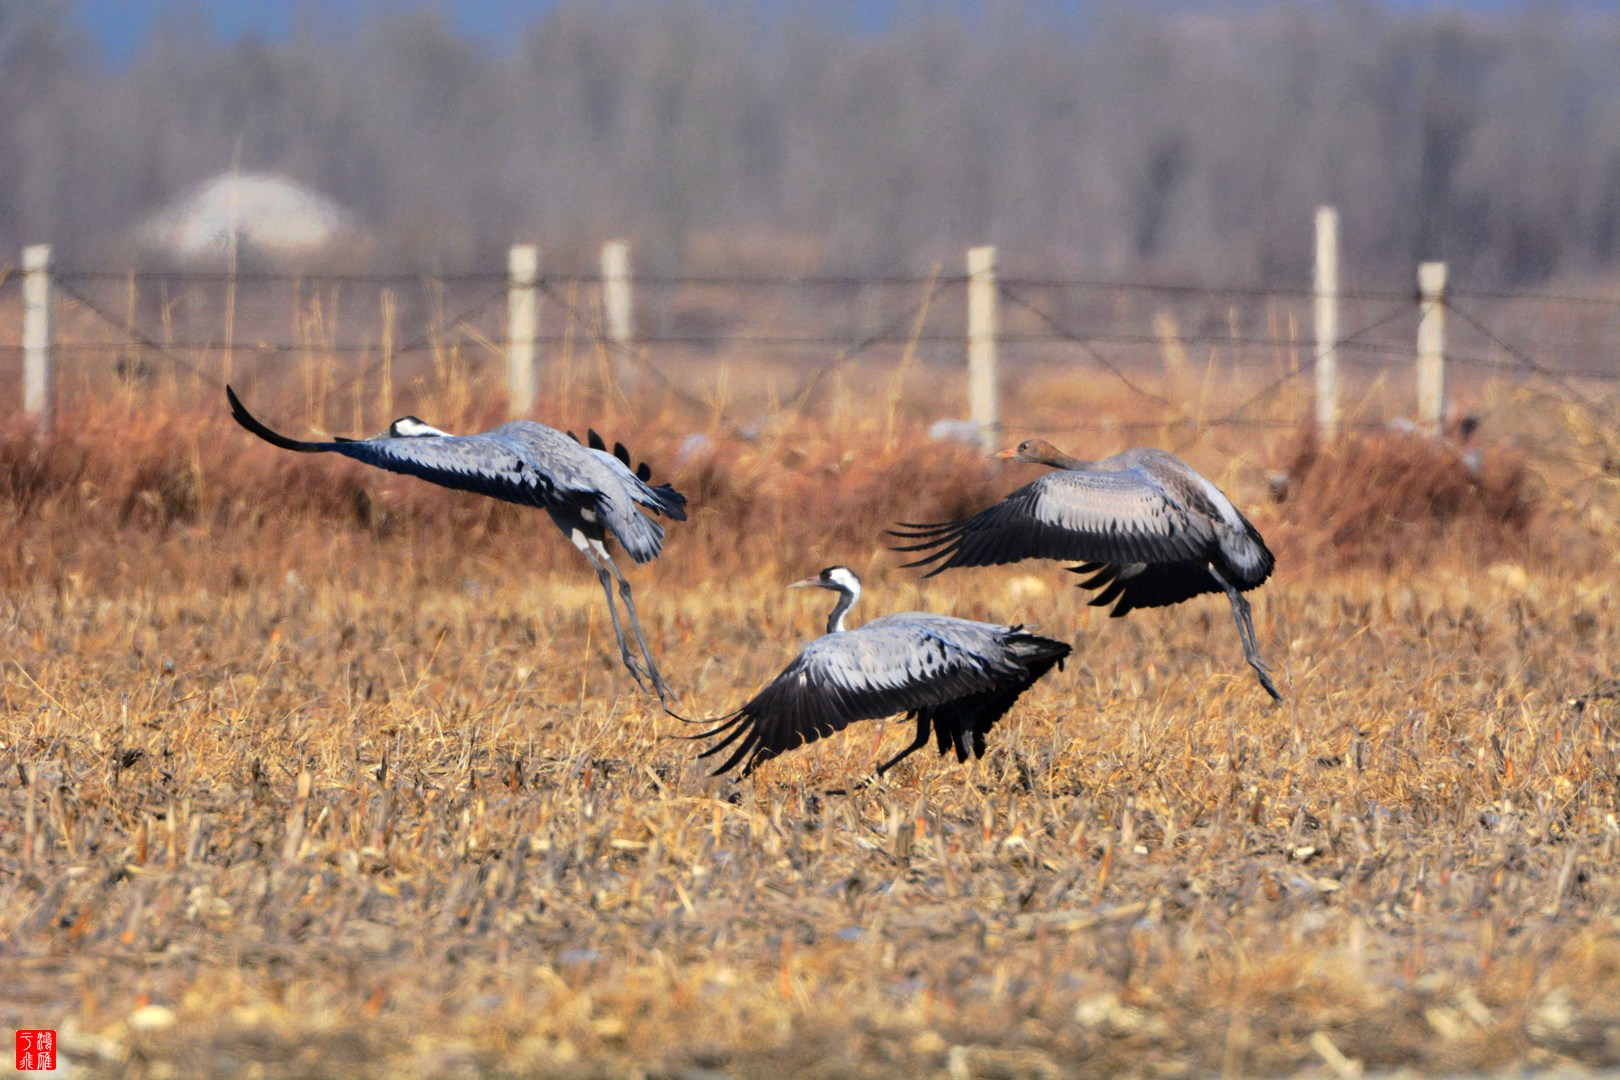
point(806, 583)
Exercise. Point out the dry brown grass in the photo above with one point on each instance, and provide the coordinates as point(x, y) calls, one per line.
point(1388, 498)
point(310, 771)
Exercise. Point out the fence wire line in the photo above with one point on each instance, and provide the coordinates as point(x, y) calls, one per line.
point(1070, 336)
point(1310, 362)
point(1528, 362)
point(428, 340)
point(221, 277)
point(1229, 419)
point(139, 338)
point(1358, 353)
point(797, 398)
point(1375, 350)
point(600, 339)
point(146, 343)
point(882, 337)
point(935, 287)
point(830, 280)
point(888, 334)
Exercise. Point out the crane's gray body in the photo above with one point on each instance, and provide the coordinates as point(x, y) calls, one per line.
point(526, 462)
point(1149, 529)
point(955, 677)
point(590, 494)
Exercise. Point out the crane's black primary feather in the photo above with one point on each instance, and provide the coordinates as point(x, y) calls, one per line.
point(643, 471)
point(1151, 585)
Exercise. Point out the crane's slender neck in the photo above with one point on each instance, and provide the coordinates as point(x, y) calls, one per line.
point(846, 600)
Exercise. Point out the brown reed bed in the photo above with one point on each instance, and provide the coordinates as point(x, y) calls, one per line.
point(311, 771)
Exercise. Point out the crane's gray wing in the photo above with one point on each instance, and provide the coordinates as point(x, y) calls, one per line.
point(908, 663)
point(487, 464)
point(1104, 517)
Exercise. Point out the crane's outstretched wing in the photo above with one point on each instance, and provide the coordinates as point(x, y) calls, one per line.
point(1102, 517)
point(962, 675)
point(484, 464)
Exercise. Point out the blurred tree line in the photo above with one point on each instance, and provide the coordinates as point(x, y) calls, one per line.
point(1121, 138)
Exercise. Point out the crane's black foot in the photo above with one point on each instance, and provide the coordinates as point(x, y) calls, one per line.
point(1264, 673)
point(666, 693)
point(648, 679)
point(634, 668)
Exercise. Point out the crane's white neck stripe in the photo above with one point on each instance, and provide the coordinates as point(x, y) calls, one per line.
point(409, 427)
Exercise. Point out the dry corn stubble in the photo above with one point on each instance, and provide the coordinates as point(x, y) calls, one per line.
point(337, 774)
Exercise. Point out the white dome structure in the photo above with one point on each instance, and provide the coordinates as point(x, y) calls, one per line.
point(268, 214)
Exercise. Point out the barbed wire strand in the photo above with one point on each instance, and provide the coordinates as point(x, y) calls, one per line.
point(146, 343)
point(795, 401)
point(834, 280)
point(1084, 344)
point(1363, 353)
point(886, 334)
point(1309, 364)
point(909, 316)
point(140, 339)
point(599, 338)
point(1528, 362)
point(431, 339)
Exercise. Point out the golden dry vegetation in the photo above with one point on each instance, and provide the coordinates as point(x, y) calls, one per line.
point(312, 771)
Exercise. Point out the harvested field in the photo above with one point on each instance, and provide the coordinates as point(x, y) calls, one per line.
point(312, 771)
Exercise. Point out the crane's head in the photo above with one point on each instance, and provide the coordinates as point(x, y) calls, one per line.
point(837, 578)
point(840, 579)
point(409, 427)
point(1040, 452)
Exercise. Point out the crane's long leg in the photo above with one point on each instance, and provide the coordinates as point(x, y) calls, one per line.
point(585, 545)
point(659, 685)
point(916, 744)
point(1245, 624)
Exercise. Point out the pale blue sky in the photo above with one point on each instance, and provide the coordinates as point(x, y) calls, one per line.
point(121, 27)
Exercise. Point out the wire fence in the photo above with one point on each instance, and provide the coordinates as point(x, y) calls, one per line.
point(1177, 358)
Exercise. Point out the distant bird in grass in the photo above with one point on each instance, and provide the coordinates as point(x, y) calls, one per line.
point(954, 677)
point(1149, 529)
point(590, 494)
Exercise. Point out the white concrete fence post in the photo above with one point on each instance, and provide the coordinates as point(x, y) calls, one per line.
point(983, 401)
point(1327, 322)
point(37, 390)
point(1431, 347)
point(522, 327)
point(618, 313)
